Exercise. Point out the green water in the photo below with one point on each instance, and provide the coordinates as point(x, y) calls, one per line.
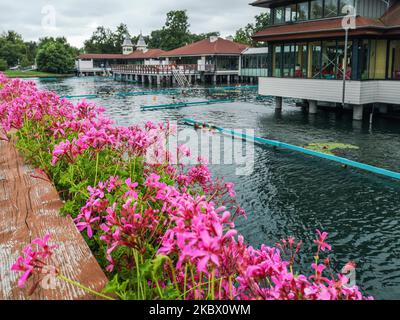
point(289, 193)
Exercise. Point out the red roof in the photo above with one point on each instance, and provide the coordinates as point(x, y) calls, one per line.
point(320, 28)
point(208, 47)
point(138, 54)
point(388, 24)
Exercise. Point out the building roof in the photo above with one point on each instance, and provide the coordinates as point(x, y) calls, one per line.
point(141, 42)
point(138, 54)
point(392, 16)
point(209, 46)
point(318, 29)
point(388, 24)
point(269, 3)
point(127, 42)
point(249, 51)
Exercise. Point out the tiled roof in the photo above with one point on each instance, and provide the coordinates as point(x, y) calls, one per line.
point(320, 28)
point(207, 47)
point(388, 24)
point(138, 54)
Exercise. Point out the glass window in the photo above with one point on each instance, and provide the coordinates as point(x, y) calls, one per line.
point(288, 14)
point(394, 62)
point(302, 11)
point(314, 65)
point(364, 59)
point(330, 60)
point(316, 9)
point(300, 69)
point(288, 61)
point(341, 54)
point(279, 15)
point(344, 6)
point(331, 8)
point(277, 61)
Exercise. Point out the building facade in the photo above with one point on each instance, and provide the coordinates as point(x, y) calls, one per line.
point(311, 58)
point(101, 64)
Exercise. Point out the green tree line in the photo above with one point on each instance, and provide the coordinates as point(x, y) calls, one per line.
point(57, 55)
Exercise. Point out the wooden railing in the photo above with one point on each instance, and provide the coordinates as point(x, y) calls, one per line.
point(155, 69)
point(158, 69)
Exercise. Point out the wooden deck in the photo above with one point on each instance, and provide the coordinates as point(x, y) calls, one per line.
point(29, 208)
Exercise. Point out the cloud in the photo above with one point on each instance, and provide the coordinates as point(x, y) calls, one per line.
point(76, 20)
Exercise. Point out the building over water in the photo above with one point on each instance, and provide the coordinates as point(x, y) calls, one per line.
point(212, 60)
point(308, 57)
point(100, 64)
point(216, 59)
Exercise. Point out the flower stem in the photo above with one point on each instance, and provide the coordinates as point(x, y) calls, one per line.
point(77, 284)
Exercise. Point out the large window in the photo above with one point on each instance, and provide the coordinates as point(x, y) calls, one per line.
point(300, 70)
point(277, 61)
point(316, 9)
point(303, 11)
point(314, 69)
point(311, 10)
point(279, 15)
point(330, 8)
point(288, 61)
point(394, 62)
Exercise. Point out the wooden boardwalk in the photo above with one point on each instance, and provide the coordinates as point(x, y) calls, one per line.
point(29, 208)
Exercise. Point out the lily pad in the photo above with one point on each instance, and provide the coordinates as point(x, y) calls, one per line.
point(330, 147)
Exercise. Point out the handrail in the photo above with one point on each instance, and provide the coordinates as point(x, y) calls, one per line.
point(157, 69)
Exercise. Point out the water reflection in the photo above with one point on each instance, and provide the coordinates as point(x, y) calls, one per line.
point(289, 193)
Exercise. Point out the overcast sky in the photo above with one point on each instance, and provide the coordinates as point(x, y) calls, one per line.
point(78, 19)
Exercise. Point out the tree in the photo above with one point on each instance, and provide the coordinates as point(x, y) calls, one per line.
point(101, 41)
point(12, 48)
point(3, 65)
point(55, 55)
point(244, 35)
point(202, 36)
point(175, 32)
point(119, 36)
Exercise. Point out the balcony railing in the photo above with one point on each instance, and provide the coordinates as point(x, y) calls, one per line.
point(155, 69)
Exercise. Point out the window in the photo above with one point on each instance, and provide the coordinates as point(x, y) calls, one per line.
point(394, 62)
point(316, 9)
point(331, 8)
point(344, 6)
point(300, 69)
point(288, 14)
point(279, 15)
point(288, 60)
point(277, 61)
point(303, 11)
point(314, 68)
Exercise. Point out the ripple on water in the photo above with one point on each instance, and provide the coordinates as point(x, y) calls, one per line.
point(292, 194)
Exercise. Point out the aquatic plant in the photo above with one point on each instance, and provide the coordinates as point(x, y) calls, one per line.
point(160, 231)
point(330, 147)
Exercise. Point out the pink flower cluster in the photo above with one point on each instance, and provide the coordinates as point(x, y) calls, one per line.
point(33, 259)
point(190, 220)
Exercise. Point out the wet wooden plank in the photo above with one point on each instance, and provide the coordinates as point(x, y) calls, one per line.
point(29, 208)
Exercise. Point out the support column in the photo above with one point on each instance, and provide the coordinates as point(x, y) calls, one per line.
point(228, 79)
point(358, 112)
point(214, 79)
point(278, 103)
point(312, 106)
point(158, 80)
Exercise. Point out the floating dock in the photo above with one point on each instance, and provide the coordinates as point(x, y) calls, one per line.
point(183, 104)
point(278, 144)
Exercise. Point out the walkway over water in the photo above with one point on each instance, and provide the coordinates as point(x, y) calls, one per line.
point(30, 208)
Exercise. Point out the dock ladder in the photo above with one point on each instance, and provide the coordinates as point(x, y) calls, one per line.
point(180, 78)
